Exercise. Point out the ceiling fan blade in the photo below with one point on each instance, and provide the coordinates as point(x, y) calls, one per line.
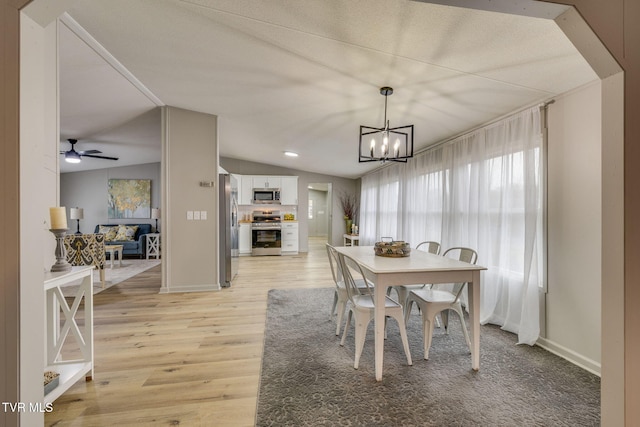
point(84, 153)
point(99, 157)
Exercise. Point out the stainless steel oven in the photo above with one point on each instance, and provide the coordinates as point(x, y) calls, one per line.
point(266, 233)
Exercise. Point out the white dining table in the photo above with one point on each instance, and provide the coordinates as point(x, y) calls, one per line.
point(419, 267)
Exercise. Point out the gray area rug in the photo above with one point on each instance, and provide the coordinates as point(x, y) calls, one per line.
point(308, 379)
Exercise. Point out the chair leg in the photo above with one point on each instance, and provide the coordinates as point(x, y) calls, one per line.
point(445, 319)
point(346, 327)
point(403, 295)
point(361, 332)
point(464, 326)
point(407, 310)
point(342, 307)
point(427, 327)
point(403, 335)
point(335, 302)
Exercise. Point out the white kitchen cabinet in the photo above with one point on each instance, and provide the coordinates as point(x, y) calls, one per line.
point(244, 238)
point(266, 181)
point(289, 238)
point(288, 186)
point(289, 190)
point(245, 189)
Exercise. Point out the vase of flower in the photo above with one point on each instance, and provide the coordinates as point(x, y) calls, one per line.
point(349, 209)
point(349, 223)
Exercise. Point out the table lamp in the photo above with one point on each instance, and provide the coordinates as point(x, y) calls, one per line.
point(77, 214)
point(155, 214)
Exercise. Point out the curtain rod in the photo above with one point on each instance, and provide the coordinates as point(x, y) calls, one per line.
point(544, 104)
point(485, 125)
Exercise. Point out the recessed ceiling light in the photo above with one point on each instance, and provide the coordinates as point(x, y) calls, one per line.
point(290, 154)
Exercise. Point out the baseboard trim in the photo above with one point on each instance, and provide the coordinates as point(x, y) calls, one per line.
point(570, 355)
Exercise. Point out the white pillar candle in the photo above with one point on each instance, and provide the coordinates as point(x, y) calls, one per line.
point(58, 218)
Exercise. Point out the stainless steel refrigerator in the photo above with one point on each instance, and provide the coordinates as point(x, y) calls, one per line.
point(229, 253)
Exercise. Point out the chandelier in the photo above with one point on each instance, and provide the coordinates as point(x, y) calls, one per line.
point(385, 143)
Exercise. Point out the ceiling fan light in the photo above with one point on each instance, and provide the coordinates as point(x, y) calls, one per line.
point(72, 157)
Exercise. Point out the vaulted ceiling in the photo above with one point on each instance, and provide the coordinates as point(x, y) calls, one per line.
point(299, 75)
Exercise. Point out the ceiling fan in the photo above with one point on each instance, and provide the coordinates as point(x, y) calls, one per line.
point(73, 156)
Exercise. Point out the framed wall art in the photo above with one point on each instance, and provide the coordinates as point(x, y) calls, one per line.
point(129, 198)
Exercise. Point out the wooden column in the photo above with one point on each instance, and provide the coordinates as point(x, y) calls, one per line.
point(615, 22)
point(10, 206)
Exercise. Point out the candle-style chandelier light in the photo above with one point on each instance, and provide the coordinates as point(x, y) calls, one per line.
point(385, 143)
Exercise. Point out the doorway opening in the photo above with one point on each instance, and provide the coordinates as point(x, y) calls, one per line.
point(318, 213)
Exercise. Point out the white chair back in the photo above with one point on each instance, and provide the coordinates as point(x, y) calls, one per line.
point(429, 246)
point(461, 254)
point(333, 261)
point(349, 267)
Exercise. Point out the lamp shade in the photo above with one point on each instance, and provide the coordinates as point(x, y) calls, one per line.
point(155, 213)
point(76, 213)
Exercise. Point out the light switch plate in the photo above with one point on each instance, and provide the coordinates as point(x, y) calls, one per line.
point(196, 215)
point(203, 215)
point(189, 215)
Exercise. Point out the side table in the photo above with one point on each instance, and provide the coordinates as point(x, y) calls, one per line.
point(153, 245)
point(114, 250)
point(351, 240)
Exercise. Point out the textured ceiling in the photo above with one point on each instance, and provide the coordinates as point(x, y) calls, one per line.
point(303, 75)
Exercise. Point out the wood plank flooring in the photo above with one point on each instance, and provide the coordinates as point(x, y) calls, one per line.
point(189, 359)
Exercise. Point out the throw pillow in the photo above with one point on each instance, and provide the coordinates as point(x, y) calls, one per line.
point(126, 232)
point(109, 232)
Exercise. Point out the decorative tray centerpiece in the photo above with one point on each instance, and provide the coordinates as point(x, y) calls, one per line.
point(392, 248)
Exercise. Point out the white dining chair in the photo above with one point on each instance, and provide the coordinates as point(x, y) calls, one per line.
point(436, 300)
point(362, 308)
point(403, 290)
point(340, 297)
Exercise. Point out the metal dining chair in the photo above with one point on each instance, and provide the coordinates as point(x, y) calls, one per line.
point(362, 308)
point(403, 290)
point(433, 301)
point(340, 297)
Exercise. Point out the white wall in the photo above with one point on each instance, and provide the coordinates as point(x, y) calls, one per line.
point(573, 311)
point(190, 248)
point(88, 190)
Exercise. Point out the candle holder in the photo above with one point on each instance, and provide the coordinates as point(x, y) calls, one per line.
point(61, 253)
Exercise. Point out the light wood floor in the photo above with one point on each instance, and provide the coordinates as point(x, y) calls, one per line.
point(189, 359)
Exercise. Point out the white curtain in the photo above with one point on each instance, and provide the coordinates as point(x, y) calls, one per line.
point(484, 191)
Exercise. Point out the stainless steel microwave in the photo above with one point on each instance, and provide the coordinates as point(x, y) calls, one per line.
point(266, 196)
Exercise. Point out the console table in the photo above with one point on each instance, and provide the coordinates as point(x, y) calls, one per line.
point(58, 311)
point(153, 245)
